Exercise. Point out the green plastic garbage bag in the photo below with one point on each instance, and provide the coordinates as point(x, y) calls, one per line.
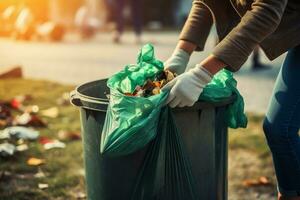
point(131, 122)
point(166, 171)
point(128, 117)
point(132, 75)
point(221, 87)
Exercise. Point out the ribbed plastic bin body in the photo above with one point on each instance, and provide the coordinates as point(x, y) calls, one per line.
point(204, 133)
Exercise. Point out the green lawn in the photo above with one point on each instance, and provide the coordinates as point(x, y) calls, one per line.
point(64, 168)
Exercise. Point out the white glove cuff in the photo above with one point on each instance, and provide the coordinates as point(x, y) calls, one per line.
point(202, 73)
point(180, 56)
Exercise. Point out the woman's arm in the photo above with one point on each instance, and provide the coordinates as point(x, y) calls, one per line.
point(195, 32)
point(254, 27)
point(213, 64)
point(232, 51)
point(196, 28)
point(187, 46)
point(193, 36)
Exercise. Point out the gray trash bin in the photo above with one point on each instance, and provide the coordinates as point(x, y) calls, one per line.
point(204, 132)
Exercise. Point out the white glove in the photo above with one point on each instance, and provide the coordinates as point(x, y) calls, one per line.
point(178, 61)
point(186, 88)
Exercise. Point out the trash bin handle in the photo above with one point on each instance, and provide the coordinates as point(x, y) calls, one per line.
point(74, 99)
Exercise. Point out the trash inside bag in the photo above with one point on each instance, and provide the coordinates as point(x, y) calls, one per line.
point(166, 171)
point(132, 119)
point(134, 75)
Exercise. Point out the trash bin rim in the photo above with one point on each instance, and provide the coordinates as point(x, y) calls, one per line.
point(205, 104)
point(79, 99)
point(78, 88)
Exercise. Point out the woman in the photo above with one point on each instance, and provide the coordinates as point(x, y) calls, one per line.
point(241, 25)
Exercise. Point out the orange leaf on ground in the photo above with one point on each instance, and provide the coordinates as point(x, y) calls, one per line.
point(35, 161)
point(261, 181)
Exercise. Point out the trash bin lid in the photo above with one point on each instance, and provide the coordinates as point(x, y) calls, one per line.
point(94, 96)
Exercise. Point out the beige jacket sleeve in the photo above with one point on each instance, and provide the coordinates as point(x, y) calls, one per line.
point(198, 25)
point(255, 25)
point(258, 22)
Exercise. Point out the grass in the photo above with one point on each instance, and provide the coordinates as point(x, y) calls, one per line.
point(249, 159)
point(64, 167)
point(251, 138)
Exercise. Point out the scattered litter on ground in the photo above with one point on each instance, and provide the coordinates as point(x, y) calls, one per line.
point(18, 101)
point(7, 149)
point(22, 119)
point(80, 195)
point(20, 141)
point(4, 135)
point(27, 165)
point(40, 173)
point(261, 181)
point(32, 109)
point(19, 132)
point(51, 143)
point(35, 161)
point(5, 115)
point(43, 186)
point(51, 112)
point(6, 175)
point(26, 119)
point(54, 144)
point(22, 147)
point(44, 140)
point(24, 176)
point(27, 116)
point(68, 135)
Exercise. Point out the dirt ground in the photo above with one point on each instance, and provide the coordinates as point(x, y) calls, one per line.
point(245, 165)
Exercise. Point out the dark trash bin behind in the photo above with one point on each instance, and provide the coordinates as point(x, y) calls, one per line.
point(204, 132)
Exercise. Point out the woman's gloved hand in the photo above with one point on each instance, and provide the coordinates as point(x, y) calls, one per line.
point(186, 88)
point(178, 61)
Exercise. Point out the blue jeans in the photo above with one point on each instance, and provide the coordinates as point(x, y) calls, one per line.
point(281, 125)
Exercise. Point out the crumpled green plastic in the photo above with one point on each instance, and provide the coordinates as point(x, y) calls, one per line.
point(131, 122)
point(221, 88)
point(132, 75)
